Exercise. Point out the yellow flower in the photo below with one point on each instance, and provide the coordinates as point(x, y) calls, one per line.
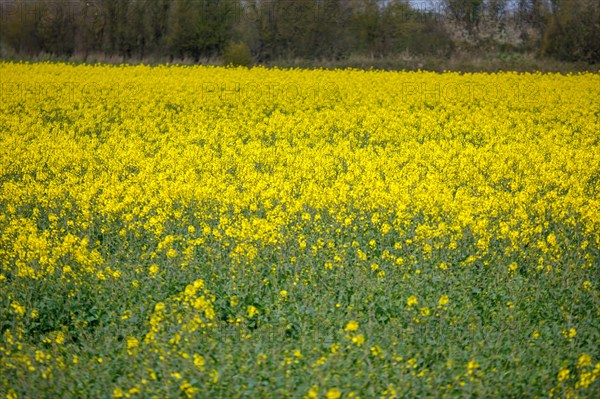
point(569, 334)
point(153, 270)
point(563, 374)
point(444, 300)
point(60, 338)
point(333, 393)
point(584, 360)
point(171, 253)
point(251, 311)
point(18, 308)
point(132, 343)
point(283, 293)
point(412, 301)
point(313, 393)
point(376, 350)
point(177, 375)
point(351, 326)
point(359, 339)
point(199, 361)
point(189, 390)
point(472, 366)
point(117, 393)
point(425, 312)
point(214, 374)
point(585, 379)
point(361, 254)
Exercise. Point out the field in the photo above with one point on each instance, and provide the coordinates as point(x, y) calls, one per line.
point(207, 232)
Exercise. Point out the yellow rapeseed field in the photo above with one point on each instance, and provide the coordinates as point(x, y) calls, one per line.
point(208, 232)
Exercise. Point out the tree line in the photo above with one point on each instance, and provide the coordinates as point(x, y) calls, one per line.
point(309, 29)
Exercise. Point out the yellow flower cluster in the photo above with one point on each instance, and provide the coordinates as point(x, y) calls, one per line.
point(479, 155)
point(139, 176)
point(571, 384)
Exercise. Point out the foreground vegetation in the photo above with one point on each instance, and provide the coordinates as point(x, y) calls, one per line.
point(232, 233)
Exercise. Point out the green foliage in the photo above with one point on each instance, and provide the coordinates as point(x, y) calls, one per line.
point(299, 29)
point(506, 323)
point(573, 31)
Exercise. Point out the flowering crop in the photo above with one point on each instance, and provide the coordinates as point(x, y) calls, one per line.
point(223, 233)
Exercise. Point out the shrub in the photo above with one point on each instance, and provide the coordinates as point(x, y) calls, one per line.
point(237, 54)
